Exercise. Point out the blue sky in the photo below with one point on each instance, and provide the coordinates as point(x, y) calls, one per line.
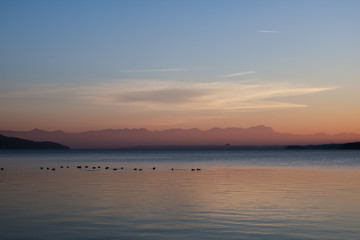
point(308, 49)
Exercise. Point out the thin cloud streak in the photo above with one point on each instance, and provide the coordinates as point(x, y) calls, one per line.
point(266, 105)
point(163, 96)
point(237, 74)
point(155, 70)
point(268, 31)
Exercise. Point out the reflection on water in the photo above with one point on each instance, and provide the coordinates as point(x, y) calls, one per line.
point(214, 203)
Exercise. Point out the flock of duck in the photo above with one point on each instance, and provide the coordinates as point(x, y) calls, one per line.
point(107, 168)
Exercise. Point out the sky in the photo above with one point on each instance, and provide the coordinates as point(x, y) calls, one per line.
point(91, 65)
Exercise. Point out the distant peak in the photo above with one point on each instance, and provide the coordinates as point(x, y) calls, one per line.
point(37, 130)
point(261, 128)
point(193, 129)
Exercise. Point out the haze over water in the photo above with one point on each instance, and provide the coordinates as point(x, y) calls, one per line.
point(236, 195)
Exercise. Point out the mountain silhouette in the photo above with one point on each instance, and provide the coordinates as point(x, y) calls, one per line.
point(18, 143)
point(141, 137)
point(343, 146)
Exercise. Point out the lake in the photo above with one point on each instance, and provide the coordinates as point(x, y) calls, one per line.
point(235, 194)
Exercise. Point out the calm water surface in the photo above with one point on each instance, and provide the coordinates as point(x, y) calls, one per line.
point(235, 195)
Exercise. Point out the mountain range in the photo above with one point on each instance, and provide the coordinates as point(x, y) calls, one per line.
point(141, 137)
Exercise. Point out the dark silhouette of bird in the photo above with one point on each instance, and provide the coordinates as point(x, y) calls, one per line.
point(135, 169)
point(53, 169)
point(122, 168)
point(193, 169)
point(61, 166)
point(106, 167)
point(93, 167)
point(154, 168)
point(41, 167)
point(78, 166)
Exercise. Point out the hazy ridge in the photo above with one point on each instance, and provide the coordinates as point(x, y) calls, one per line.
point(124, 138)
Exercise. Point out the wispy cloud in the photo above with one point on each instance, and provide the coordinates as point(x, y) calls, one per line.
point(268, 31)
point(155, 70)
point(219, 96)
point(163, 96)
point(173, 97)
point(237, 74)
